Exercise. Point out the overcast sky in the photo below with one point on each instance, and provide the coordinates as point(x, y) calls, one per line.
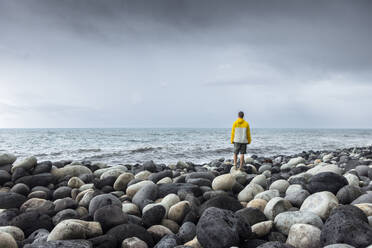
point(178, 63)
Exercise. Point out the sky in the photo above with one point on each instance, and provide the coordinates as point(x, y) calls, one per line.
point(185, 63)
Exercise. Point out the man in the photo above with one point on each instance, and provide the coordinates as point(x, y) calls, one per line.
point(240, 137)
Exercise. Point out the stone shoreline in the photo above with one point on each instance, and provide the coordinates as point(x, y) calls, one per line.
point(308, 200)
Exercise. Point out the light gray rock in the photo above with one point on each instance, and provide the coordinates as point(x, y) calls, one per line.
point(320, 203)
point(304, 236)
point(7, 241)
point(260, 180)
point(223, 182)
point(249, 192)
point(27, 164)
point(276, 206)
point(298, 197)
point(267, 195)
point(122, 181)
point(16, 232)
point(133, 242)
point(292, 163)
point(70, 170)
point(75, 229)
point(7, 158)
point(285, 220)
point(281, 185)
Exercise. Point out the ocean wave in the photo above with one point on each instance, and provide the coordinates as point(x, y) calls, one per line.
point(89, 150)
point(145, 149)
point(222, 150)
point(105, 155)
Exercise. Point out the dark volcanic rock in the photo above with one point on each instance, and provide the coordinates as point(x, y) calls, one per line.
point(347, 224)
point(43, 167)
point(147, 194)
point(274, 244)
point(43, 179)
point(62, 192)
point(250, 215)
point(168, 188)
point(61, 244)
point(155, 177)
point(223, 202)
point(4, 177)
point(124, 231)
point(7, 215)
point(168, 241)
point(365, 198)
point(64, 215)
point(220, 228)
point(20, 188)
point(326, 181)
point(103, 241)
point(110, 216)
point(31, 221)
point(11, 200)
point(187, 232)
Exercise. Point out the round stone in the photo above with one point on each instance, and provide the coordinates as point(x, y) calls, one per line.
point(320, 203)
point(304, 235)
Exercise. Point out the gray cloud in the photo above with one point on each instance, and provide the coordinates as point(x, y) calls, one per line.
point(186, 63)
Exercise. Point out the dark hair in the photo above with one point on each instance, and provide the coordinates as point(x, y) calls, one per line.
point(241, 114)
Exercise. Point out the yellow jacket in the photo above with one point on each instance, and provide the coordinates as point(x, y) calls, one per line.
point(240, 132)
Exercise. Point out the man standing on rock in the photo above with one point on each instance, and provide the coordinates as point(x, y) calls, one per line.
point(240, 137)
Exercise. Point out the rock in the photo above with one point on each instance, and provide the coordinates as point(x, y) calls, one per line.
point(11, 200)
point(276, 206)
point(274, 244)
point(178, 211)
point(43, 167)
point(365, 198)
point(158, 232)
point(267, 195)
point(75, 182)
point(147, 194)
point(75, 229)
point(304, 235)
point(153, 215)
point(155, 177)
point(124, 231)
point(320, 203)
point(326, 181)
point(62, 192)
point(149, 166)
point(365, 207)
point(130, 208)
point(207, 175)
point(171, 225)
point(223, 202)
point(224, 223)
point(347, 224)
point(250, 215)
point(293, 188)
point(101, 201)
point(20, 188)
point(4, 177)
point(324, 167)
point(339, 246)
point(40, 205)
point(348, 193)
point(176, 188)
point(292, 163)
point(285, 220)
point(297, 198)
point(70, 171)
point(142, 175)
point(133, 242)
point(31, 221)
point(263, 228)
point(64, 215)
point(362, 170)
point(249, 192)
point(61, 244)
point(260, 180)
point(122, 181)
point(327, 157)
point(257, 203)
point(193, 243)
point(165, 180)
point(281, 185)
point(7, 158)
point(27, 164)
point(187, 232)
point(110, 216)
point(7, 241)
point(223, 182)
point(14, 231)
point(352, 179)
point(43, 179)
point(132, 189)
point(61, 204)
point(169, 201)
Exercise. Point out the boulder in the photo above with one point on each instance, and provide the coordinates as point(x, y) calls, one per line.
point(224, 223)
point(304, 236)
point(167, 241)
point(348, 193)
point(75, 182)
point(7, 241)
point(101, 201)
point(249, 192)
point(40, 205)
point(75, 229)
point(320, 203)
point(130, 208)
point(110, 216)
point(326, 181)
point(223, 182)
point(7, 158)
point(133, 188)
point(27, 164)
point(276, 206)
point(347, 224)
point(285, 220)
point(365, 207)
point(11, 200)
point(122, 181)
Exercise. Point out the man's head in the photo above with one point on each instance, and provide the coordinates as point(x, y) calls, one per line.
point(241, 114)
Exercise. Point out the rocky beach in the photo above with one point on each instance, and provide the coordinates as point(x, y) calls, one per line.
point(306, 200)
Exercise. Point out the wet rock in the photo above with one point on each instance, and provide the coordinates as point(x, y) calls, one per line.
point(168, 241)
point(61, 244)
point(280, 185)
point(365, 198)
point(4, 177)
point(267, 195)
point(43, 167)
point(155, 177)
point(40, 205)
point(14, 231)
point(257, 203)
point(62, 192)
point(64, 215)
point(20, 188)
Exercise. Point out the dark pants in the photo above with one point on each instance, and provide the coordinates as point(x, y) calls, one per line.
point(240, 148)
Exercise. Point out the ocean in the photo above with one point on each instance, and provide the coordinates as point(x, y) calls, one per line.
point(198, 145)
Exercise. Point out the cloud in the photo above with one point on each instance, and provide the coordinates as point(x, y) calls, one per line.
point(185, 63)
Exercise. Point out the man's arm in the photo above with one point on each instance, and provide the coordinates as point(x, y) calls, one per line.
point(232, 133)
point(249, 134)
